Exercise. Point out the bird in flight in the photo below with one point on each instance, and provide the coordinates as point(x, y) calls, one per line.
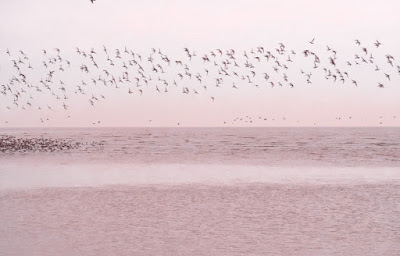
point(129, 65)
point(377, 44)
point(92, 1)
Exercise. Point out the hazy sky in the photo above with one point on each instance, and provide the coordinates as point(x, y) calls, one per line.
point(203, 26)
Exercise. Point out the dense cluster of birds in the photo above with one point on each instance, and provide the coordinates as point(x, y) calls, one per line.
point(133, 73)
point(12, 144)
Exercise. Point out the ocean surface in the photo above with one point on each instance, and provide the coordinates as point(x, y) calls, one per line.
point(203, 191)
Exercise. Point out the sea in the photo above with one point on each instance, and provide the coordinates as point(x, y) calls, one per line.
point(202, 191)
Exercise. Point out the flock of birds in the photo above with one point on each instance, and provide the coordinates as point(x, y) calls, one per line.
point(43, 87)
point(12, 145)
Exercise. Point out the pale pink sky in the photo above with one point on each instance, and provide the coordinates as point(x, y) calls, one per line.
point(203, 26)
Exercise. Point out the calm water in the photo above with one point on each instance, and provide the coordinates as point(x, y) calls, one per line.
point(204, 191)
point(255, 146)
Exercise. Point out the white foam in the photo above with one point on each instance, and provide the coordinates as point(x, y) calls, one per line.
point(29, 175)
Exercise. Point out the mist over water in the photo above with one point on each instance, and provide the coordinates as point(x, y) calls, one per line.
point(203, 191)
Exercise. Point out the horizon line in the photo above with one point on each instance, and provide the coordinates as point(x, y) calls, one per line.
point(98, 127)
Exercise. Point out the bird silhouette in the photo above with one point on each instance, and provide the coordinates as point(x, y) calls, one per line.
point(124, 70)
